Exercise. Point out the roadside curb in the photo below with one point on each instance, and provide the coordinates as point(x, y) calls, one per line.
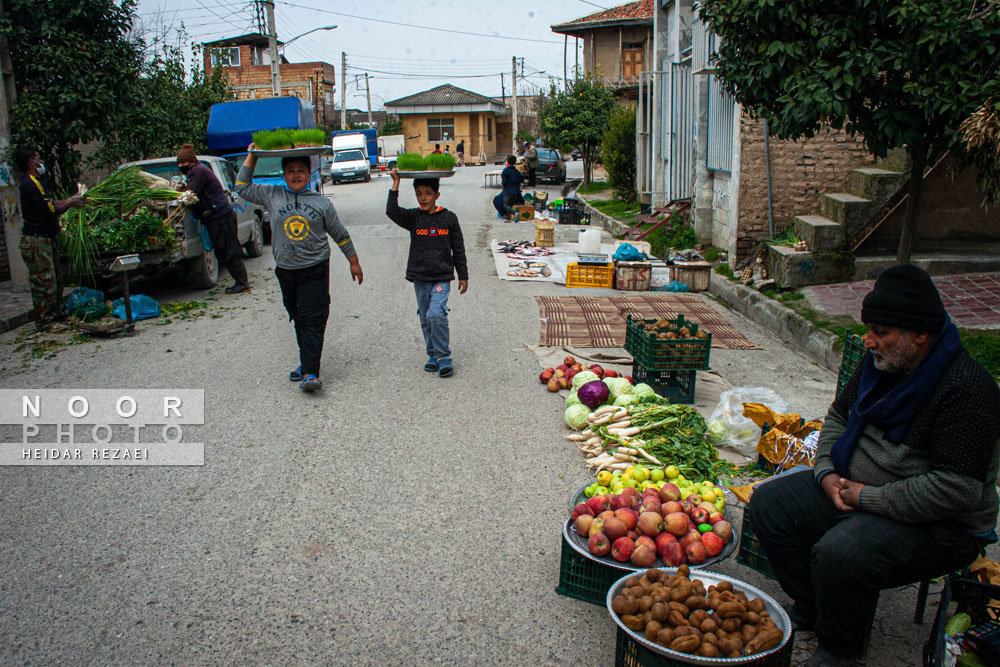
point(10, 321)
point(790, 327)
point(616, 227)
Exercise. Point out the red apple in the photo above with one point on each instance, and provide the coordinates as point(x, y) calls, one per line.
point(677, 523)
point(545, 376)
point(643, 556)
point(569, 376)
point(713, 544)
point(577, 368)
point(599, 545)
point(632, 491)
point(647, 540)
point(569, 361)
point(560, 372)
point(695, 500)
point(581, 508)
point(611, 373)
point(564, 382)
point(668, 492)
point(598, 504)
point(596, 526)
point(673, 554)
point(723, 529)
point(715, 517)
point(620, 500)
point(629, 516)
point(583, 524)
point(553, 385)
point(606, 514)
point(692, 536)
point(629, 378)
point(670, 507)
point(614, 528)
point(699, 515)
point(562, 367)
point(632, 535)
point(663, 539)
point(596, 369)
point(696, 553)
point(622, 548)
point(650, 505)
point(686, 506)
point(650, 523)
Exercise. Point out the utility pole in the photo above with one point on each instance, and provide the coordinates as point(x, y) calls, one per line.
point(565, 78)
point(503, 91)
point(343, 90)
point(513, 97)
point(272, 38)
point(368, 94)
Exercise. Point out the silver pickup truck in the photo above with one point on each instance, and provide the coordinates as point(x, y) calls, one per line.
point(190, 252)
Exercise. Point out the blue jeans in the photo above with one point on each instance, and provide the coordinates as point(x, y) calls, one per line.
point(432, 308)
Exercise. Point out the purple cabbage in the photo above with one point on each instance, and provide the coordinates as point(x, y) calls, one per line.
point(593, 394)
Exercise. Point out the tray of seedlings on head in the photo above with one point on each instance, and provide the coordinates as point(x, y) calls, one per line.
point(700, 617)
point(667, 345)
point(435, 165)
point(289, 143)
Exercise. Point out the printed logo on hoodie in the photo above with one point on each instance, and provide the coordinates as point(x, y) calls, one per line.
point(296, 228)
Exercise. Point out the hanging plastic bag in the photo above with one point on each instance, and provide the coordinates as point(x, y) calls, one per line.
point(727, 427)
point(143, 307)
point(86, 304)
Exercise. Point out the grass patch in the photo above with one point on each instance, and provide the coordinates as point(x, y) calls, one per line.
point(711, 253)
point(724, 270)
point(594, 188)
point(984, 347)
point(616, 208)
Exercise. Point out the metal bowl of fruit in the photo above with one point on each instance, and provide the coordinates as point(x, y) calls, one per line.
point(770, 640)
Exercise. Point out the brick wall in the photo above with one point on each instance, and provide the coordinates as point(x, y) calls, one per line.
point(800, 173)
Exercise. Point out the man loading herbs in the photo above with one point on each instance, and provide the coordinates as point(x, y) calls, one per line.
point(38, 238)
point(904, 487)
point(215, 212)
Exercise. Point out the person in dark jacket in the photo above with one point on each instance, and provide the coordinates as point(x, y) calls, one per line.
point(904, 484)
point(510, 180)
point(38, 238)
point(437, 252)
point(214, 211)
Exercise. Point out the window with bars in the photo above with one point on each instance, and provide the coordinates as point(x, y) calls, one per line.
point(489, 129)
point(721, 114)
point(440, 129)
point(225, 56)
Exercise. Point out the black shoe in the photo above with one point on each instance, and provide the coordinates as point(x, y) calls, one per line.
point(238, 289)
point(800, 622)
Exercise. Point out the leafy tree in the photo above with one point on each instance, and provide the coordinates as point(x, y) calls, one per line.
point(577, 119)
point(618, 152)
point(523, 135)
point(391, 126)
point(72, 62)
point(902, 73)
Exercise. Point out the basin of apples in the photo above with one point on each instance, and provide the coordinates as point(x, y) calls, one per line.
point(639, 529)
point(561, 377)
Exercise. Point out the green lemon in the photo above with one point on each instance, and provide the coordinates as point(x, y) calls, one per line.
point(656, 474)
point(590, 490)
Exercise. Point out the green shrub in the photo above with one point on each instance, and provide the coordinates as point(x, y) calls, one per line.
point(724, 270)
point(712, 254)
point(411, 162)
point(618, 152)
point(439, 162)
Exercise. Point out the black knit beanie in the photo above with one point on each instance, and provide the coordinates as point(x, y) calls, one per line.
point(905, 296)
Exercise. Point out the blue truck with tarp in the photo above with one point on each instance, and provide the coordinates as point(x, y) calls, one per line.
point(231, 126)
point(371, 142)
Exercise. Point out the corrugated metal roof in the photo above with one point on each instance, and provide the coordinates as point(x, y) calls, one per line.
point(442, 95)
point(633, 13)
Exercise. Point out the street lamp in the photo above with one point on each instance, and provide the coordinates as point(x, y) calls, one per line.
point(275, 69)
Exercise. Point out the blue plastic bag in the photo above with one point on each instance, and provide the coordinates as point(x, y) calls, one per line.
point(143, 307)
point(628, 253)
point(206, 240)
point(86, 304)
point(674, 286)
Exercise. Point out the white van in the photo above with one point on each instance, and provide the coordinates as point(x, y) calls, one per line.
point(389, 148)
point(350, 159)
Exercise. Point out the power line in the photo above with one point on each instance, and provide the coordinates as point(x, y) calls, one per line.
point(422, 27)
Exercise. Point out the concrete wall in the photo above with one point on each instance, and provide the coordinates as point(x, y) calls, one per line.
point(472, 127)
point(602, 49)
point(801, 172)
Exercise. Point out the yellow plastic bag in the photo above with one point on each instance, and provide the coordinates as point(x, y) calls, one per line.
point(783, 442)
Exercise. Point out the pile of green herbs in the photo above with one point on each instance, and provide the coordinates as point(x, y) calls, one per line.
point(278, 139)
point(432, 162)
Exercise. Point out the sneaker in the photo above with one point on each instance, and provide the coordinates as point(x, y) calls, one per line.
point(311, 383)
point(237, 289)
point(296, 375)
point(501, 215)
point(446, 369)
point(432, 365)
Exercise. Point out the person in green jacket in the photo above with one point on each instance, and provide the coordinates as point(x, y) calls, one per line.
point(904, 485)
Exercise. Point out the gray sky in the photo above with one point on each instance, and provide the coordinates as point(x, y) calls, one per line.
point(400, 43)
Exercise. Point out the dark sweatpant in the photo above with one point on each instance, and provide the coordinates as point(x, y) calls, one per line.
point(833, 564)
point(306, 295)
point(226, 246)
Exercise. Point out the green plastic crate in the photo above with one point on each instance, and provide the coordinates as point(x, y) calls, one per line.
point(678, 386)
point(654, 354)
point(750, 553)
point(854, 352)
point(630, 653)
point(585, 579)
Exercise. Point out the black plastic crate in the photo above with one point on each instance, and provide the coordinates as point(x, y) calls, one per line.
point(678, 386)
point(972, 597)
point(568, 216)
point(750, 553)
point(630, 653)
point(655, 354)
point(854, 352)
point(585, 579)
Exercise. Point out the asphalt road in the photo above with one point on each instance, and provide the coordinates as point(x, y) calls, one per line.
point(393, 518)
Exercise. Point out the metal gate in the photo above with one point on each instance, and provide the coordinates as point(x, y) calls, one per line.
point(681, 114)
point(665, 140)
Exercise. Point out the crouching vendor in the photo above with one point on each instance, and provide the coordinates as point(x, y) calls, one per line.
point(904, 487)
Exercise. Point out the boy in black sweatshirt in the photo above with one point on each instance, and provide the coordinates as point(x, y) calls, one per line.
point(436, 254)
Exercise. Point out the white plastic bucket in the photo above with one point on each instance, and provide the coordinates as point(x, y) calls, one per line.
point(590, 242)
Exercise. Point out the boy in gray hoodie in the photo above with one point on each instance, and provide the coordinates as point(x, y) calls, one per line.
point(301, 219)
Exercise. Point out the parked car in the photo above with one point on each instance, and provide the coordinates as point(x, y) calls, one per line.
point(551, 166)
point(350, 165)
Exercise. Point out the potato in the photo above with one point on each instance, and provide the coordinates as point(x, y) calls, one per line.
point(732, 624)
point(659, 611)
point(748, 632)
point(709, 625)
point(680, 608)
point(707, 650)
point(753, 618)
point(709, 637)
point(665, 636)
point(697, 617)
point(756, 605)
point(634, 623)
point(645, 603)
point(674, 619)
point(686, 644)
point(652, 629)
point(696, 602)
